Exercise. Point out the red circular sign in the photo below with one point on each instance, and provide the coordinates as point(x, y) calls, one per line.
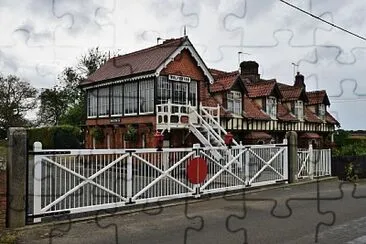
point(197, 170)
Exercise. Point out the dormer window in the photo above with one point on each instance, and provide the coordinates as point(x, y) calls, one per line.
point(271, 107)
point(321, 111)
point(234, 102)
point(299, 110)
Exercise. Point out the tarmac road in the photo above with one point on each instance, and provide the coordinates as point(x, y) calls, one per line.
point(225, 219)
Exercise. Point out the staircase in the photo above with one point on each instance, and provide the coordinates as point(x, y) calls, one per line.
point(204, 123)
point(209, 131)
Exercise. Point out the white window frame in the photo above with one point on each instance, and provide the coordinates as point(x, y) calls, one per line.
point(322, 111)
point(146, 96)
point(92, 103)
point(103, 102)
point(130, 106)
point(235, 102)
point(192, 96)
point(164, 90)
point(299, 109)
point(180, 93)
point(117, 100)
point(271, 107)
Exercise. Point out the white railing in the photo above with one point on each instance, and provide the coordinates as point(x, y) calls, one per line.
point(170, 115)
point(72, 181)
point(314, 162)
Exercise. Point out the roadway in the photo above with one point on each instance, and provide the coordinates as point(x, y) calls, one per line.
point(262, 217)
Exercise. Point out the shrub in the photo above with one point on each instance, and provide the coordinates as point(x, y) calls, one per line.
point(56, 137)
point(97, 133)
point(131, 134)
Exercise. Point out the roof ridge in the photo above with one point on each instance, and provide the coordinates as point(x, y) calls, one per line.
point(166, 43)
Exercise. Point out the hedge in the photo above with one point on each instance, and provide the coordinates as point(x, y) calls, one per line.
point(56, 137)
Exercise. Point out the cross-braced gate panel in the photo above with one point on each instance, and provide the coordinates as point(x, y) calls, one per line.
point(160, 175)
point(70, 181)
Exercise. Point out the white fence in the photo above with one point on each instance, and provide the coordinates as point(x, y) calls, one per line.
point(314, 162)
point(72, 181)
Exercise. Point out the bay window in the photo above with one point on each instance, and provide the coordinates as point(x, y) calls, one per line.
point(130, 98)
point(164, 90)
point(103, 101)
point(271, 107)
point(180, 93)
point(193, 93)
point(117, 100)
point(321, 111)
point(299, 110)
point(92, 102)
point(146, 95)
point(234, 102)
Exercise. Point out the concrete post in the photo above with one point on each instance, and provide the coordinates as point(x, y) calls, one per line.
point(17, 175)
point(292, 156)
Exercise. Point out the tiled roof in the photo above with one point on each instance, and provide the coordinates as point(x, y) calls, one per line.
point(252, 110)
point(330, 119)
point(317, 97)
point(284, 114)
point(311, 117)
point(139, 62)
point(224, 83)
point(290, 93)
point(219, 73)
point(257, 135)
point(261, 88)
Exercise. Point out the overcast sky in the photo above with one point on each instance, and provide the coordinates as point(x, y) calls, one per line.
point(40, 37)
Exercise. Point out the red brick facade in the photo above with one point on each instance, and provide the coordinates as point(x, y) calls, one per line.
point(184, 65)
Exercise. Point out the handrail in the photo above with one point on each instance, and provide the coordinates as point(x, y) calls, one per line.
point(218, 125)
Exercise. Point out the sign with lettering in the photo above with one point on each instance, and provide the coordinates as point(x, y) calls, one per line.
point(115, 120)
point(179, 78)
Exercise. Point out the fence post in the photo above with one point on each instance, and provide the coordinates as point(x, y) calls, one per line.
point(311, 162)
point(129, 176)
point(292, 156)
point(17, 175)
point(37, 180)
point(329, 162)
point(246, 162)
point(197, 187)
point(285, 160)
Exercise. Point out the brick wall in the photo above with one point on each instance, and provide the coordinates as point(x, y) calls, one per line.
point(3, 186)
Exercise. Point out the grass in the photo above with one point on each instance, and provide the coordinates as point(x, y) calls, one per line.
point(8, 237)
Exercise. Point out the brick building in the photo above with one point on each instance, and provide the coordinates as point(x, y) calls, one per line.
point(169, 88)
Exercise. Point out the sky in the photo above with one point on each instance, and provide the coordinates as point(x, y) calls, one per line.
point(41, 37)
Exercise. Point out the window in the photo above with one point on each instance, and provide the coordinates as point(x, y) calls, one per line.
point(193, 93)
point(117, 100)
point(164, 90)
point(103, 101)
point(234, 102)
point(321, 111)
point(130, 98)
point(146, 96)
point(180, 93)
point(92, 102)
point(271, 107)
point(299, 110)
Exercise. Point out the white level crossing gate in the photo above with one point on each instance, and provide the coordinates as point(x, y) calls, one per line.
point(74, 181)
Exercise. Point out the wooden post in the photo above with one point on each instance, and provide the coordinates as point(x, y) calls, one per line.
point(17, 175)
point(292, 156)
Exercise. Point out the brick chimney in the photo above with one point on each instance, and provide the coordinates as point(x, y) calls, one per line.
point(249, 69)
point(299, 80)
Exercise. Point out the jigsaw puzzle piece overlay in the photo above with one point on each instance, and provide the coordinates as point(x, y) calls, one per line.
point(273, 16)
